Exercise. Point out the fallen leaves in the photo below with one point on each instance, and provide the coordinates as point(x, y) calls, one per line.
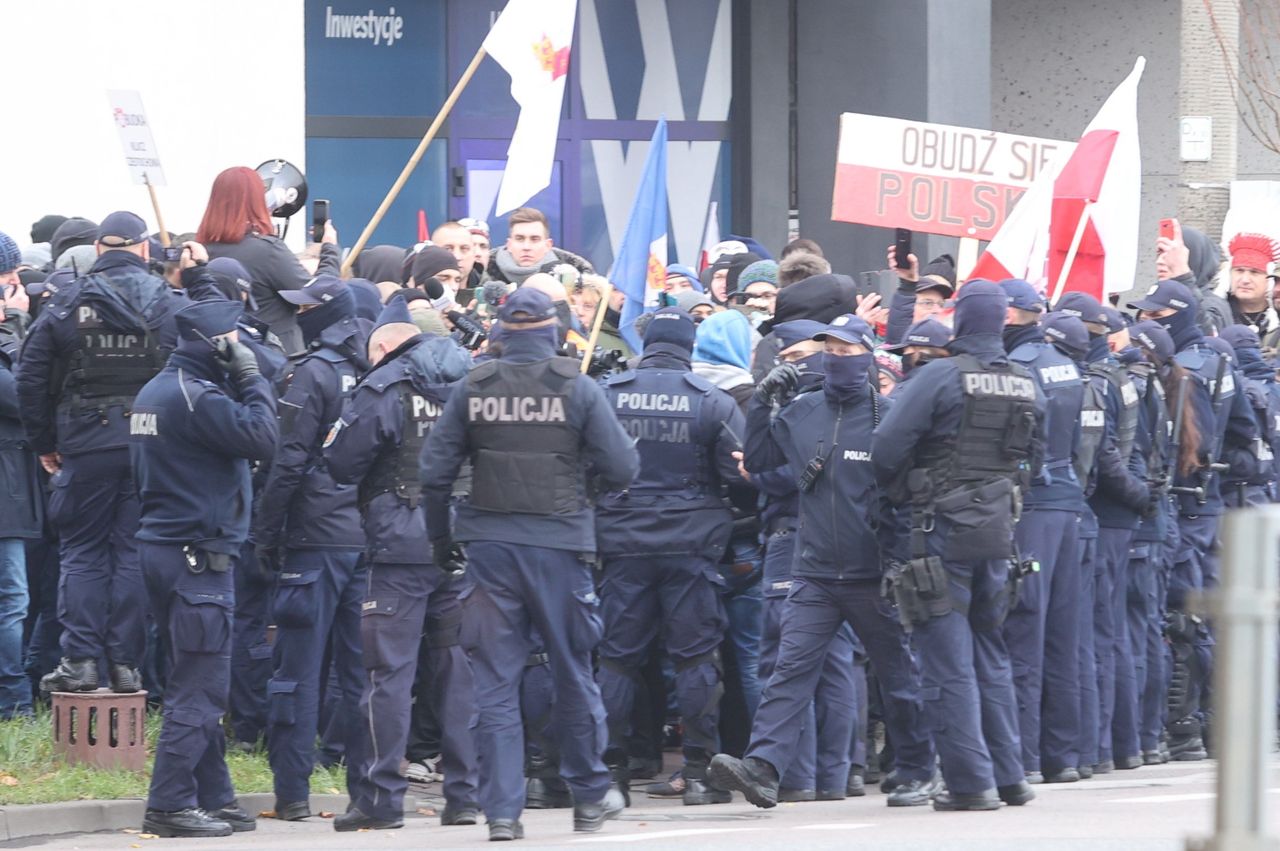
point(8, 780)
point(326, 814)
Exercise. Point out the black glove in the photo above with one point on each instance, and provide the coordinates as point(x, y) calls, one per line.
point(267, 558)
point(449, 557)
point(779, 385)
point(237, 359)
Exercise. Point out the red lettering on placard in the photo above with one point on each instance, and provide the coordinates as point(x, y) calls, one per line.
point(951, 206)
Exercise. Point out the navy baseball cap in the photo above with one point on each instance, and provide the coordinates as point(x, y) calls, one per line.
point(319, 290)
point(796, 331)
point(926, 332)
point(526, 306)
point(1155, 338)
point(671, 325)
point(208, 319)
point(1083, 306)
point(1022, 295)
point(1165, 295)
point(1115, 319)
point(233, 278)
point(122, 229)
point(1067, 331)
point(394, 312)
point(850, 329)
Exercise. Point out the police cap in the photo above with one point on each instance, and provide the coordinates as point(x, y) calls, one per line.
point(926, 332)
point(1154, 338)
point(122, 229)
point(1022, 296)
point(1067, 332)
point(319, 290)
point(208, 319)
point(1083, 306)
point(527, 306)
point(850, 329)
point(1165, 295)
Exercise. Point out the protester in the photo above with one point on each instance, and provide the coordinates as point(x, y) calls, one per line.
point(529, 249)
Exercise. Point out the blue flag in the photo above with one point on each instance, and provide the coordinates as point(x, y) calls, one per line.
point(640, 266)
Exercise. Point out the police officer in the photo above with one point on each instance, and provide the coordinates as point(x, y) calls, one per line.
point(961, 445)
point(837, 573)
point(1217, 412)
point(1119, 501)
point(375, 446)
point(315, 522)
point(97, 342)
point(195, 427)
point(534, 430)
point(924, 341)
point(660, 539)
point(820, 764)
point(1041, 630)
point(1251, 479)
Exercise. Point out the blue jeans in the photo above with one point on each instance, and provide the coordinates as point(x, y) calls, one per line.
point(15, 688)
point(743, 599)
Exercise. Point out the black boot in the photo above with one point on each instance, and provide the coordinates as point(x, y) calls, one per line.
point(856, 787)
point(354, 819)
point(458, 816)
point(620, 779)
point(235, 815)
point(547, 793)
point(588, 818)
point(698, 791)
point(917, 793)
point(1017, 794)
point(292, 810)
point(125, 679)
point(754, 778)
point(946, 801)
point(71, 675)
point(505, 830)
point(184, 823)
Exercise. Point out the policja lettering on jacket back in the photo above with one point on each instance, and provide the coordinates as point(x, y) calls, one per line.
point(517, 409)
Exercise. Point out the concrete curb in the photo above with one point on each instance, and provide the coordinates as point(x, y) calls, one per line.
point(19, 821)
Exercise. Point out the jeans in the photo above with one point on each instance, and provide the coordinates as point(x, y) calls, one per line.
point(15, 688)
point(743, 599)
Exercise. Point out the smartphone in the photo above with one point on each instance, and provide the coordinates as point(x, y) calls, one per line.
point(1166, 229)
point(319, 215)
point(173, 253)
point(902, 247)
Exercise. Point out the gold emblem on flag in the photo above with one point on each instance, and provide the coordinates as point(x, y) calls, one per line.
point(555, 61)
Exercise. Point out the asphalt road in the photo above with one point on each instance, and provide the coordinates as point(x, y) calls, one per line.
point(1155, 807)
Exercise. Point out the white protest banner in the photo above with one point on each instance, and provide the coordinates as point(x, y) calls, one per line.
point(934, 178)
point(140, 153)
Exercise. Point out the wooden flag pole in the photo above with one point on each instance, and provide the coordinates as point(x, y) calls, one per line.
point(596, 326)
point(1071, 255)
point(966, 258)
point(155, 205)
point(413, 161)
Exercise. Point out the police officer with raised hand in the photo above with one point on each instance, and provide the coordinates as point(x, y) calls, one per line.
point(960, 445)
point(660, 539)
point(845, 529)
point(535, 431)
point(1251, 479)
point(1195, 565)
point(924, 341)
point(1119, 501)
point(308, 529)
point(819, 767)
point(1041, 629)
point(375, 445)
point(195, 428)
point(97, 342)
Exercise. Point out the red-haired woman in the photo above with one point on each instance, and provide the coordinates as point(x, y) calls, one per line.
point(237, 224)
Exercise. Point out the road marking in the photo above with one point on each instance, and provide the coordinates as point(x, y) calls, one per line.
point(1173, 799)
point(833, 826)
point(664, 834)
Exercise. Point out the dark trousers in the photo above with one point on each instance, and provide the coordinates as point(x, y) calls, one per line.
point(677, 598)
point(317, 600)
point(1138, 617)
point(518, 589)
point(407, 607)
point(101, 601)
point(1110, 644)
point(194, 613)
point(1040, 633)
point(250, 652)
point(814, 612)
point(1087, 745)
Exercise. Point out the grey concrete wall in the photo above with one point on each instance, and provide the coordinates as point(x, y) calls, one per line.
point(1053, 63)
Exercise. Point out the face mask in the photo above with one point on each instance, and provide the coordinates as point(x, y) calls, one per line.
point(548, 334)
point(915, 360)
point(1011, 333)
point(845, 375)
point(810, 369)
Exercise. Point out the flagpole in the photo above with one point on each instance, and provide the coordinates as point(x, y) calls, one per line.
point(1071, 255)
point(413, 161)
point(601, 308)
point(155, 205)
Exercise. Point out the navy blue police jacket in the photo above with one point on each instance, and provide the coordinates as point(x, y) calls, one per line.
point(845, 527)
point(372, 428)
point(301, 506)
point(607, 450)
point(1121, 492)
point(930, 407)
point(1055, 486)
point(1232, 418)
point(193, 437)
point(686, 431)
point(124, 303)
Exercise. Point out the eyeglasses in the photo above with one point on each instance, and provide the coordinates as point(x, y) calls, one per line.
point(931, 303)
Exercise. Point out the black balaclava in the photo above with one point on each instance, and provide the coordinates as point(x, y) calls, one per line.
point(320, 317)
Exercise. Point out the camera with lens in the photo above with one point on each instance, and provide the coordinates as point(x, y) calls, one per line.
point(605, 361)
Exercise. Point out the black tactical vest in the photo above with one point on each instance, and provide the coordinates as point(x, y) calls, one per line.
point(997, 428)
point(112, 363)
point(1122, 386)
point(1093, 426)
point(660, 410)
point(526, 458)
point(397, 471)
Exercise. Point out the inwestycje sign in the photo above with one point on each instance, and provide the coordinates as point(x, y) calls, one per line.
point(934, 178)
point(140, 153)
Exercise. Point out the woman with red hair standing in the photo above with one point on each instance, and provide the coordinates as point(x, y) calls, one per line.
point(238, 224)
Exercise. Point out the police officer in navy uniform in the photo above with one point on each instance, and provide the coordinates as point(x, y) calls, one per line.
point(1195, 564)
point(375, 446)
point(195, 428)
point(1251, 479)
point(535, 432)
point(308, 528)
point(1041, 630)
point(960, 445)
point(96, 343)
point(845, 530)
point(660, 539)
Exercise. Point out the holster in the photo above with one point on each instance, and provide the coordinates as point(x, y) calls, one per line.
point(921, 590)
point(198, 560)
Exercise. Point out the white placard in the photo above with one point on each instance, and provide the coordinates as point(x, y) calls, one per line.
point(1195, 138)
point(140, 153)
